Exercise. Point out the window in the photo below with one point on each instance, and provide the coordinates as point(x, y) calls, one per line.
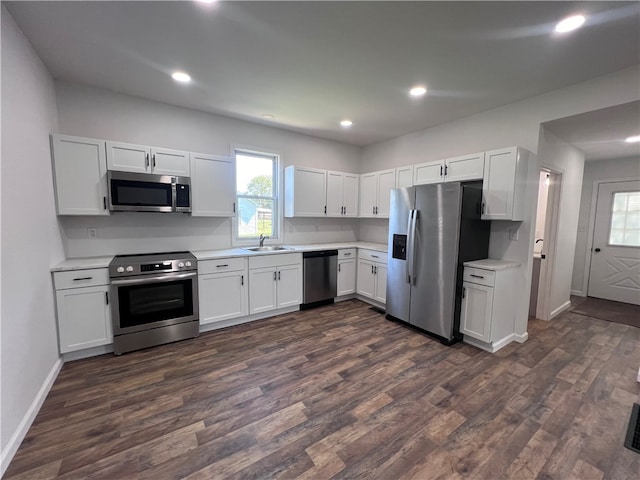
point(625, 220)
point(257, 195)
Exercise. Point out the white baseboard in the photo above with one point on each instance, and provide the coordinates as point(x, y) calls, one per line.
point(375, 303)
point(521, 338)
point(491, 347)
point(578, 293)
point(17, 437)
point(560, 309)
point(87, 352)
point(207, 327)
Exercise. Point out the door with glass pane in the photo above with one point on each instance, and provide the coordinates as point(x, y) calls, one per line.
point(615, 255)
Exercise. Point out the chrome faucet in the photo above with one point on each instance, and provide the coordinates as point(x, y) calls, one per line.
point(262, 239)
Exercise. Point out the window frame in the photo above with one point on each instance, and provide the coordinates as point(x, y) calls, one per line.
point(277, 214)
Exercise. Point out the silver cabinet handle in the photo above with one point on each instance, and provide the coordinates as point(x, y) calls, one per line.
point(375, 256)
point(146, 161)
point(371, 269)
point(476, 276)
point(82, 278)
point(104, 202)
point(154, 160)
point(278, 275)
point(440, 170)
point(106, 297)
point(348, 254)
point(223, 265)
point(446, 167)
point(463, 292)
point(375, 270)
point(339, 267)
point(373, 210)
point(241, 279)
point(275, 276)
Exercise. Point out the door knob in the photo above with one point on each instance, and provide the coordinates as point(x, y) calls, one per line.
point(596, 250)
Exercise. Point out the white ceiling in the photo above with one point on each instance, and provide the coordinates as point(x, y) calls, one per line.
point(600, 134)
point(311, 64)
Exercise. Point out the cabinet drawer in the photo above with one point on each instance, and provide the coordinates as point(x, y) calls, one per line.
point(373, 256)
point(275, 260)
point(81, 278)
point(221, 265)
point(479, 276)
point(346, 253)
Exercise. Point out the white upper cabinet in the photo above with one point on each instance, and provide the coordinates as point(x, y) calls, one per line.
point(467, 167)
point(429, 172)
point(342, 194)
point(457, 169)
point(305, 192)
point(404, 176)
point(80, 175)
point(213, 186)
point(128, 157)
point(170, 162)
point(504, 184)
point(375, 193)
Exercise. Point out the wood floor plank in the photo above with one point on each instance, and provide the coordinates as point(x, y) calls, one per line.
point(341, 392)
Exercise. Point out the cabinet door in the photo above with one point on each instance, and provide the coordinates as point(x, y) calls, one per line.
point(84, 318)
point(366, 280)
point(335, 186)
point(498, 184)
point(404, 176)
point(368, 194)
point(262, 293)
point(386, 182)
point(350, 194)
point(126, 157)
point(213, 186)
point(429, 172)
point(468, 167)
point(310, 192)
point(346, 276)
point(222, 296)
point(170, 162)
point(80, 169)
point(476, 311)
point(289, 286)
point(381, 283)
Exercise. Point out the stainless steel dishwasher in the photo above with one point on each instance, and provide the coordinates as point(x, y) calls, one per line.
point(320, 273)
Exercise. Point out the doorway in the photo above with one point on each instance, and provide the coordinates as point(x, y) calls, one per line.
point(614, 272)
point(543, 253)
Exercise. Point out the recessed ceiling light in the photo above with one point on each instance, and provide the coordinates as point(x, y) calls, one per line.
point(418, 91)
point(206, 1)
point(346, 123)
point(634, 139)
point(570, 23)
point(268, 116)
point(181, 77)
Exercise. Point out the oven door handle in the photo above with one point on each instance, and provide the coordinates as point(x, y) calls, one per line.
point(152, 279)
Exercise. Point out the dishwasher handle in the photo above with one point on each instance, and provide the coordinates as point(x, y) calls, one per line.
point(320, 253)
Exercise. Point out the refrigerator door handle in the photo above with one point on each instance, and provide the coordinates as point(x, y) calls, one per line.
point(411, 230)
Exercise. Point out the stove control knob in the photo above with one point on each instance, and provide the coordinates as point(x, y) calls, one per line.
point(188, 263)
point(180, 264)
point(129, 268)
point(120, 269)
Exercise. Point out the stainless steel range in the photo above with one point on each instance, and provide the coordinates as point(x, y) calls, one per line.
point(154, 299)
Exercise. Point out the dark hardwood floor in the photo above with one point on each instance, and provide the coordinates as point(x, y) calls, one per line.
point(340, 392)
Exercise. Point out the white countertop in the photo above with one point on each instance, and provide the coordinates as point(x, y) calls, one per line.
point(239, 252)
point(103, 262)
point(82, 263)
point(491, 264)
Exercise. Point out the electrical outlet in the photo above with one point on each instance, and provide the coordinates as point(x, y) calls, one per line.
point(514, 233)
point(92, 232)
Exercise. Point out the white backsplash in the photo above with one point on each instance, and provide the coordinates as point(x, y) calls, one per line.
point(126, 233)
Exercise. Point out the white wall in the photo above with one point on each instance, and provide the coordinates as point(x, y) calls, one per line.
point(513, 124)
point(617, 169)
point(561, 157)
point(93, 112)
point(30, 237)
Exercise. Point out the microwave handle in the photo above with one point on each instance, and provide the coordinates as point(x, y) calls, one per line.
point(174, 195)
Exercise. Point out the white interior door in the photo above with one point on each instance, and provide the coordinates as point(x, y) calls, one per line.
point(615, 255)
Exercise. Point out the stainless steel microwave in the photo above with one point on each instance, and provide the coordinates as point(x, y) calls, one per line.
point(143, 192)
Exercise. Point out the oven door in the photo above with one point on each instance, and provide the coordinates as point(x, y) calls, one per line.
point(152, 301)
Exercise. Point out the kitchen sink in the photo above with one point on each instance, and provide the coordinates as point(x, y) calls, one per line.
point(267, 249)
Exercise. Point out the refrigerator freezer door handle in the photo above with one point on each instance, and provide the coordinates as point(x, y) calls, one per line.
point(411, 229)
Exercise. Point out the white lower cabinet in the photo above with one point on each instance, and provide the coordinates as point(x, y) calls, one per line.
point(372, 275)
point(346, 272)
point(83, 310)
point(223, 289)
point(487, 314)
point(275, 281)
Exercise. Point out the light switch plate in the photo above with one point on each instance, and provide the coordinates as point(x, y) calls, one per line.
point(514, 234)
point(92, 232)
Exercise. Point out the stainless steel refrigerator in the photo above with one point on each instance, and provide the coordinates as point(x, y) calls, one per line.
point(433, 229)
